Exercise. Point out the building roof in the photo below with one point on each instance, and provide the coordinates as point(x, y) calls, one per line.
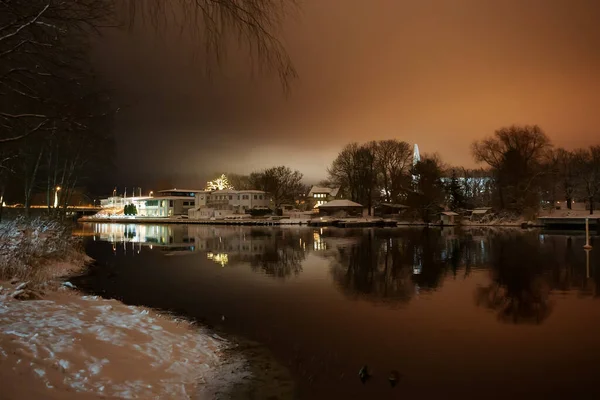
point(232, 191)
point(188, 198)
point(180, 190)
point(321, 189)
point(339, 203)
point(393, 205)
point(481, 210)
point(449, 213)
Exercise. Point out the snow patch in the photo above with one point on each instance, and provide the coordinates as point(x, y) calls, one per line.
point(102, 347)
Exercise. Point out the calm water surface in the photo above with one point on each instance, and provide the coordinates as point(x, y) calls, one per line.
point(471, 314)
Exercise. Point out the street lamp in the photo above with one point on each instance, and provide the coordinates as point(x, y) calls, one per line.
point(56, 190)
point(151, 193)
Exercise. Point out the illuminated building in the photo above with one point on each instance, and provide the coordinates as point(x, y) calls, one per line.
point(320, 195)
point(221, 203)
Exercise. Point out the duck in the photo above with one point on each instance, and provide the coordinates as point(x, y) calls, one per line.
point(363, 374)
point(394, 378)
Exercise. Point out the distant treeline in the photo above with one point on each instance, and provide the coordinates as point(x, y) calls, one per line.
point(522, 172)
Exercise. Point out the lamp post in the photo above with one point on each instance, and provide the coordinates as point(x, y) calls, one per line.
point(56, 190)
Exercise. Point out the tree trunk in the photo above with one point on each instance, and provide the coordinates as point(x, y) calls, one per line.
point(591, 205)
point(2, 191)
point(29, 186)
point(501, 195)
point(569, 202)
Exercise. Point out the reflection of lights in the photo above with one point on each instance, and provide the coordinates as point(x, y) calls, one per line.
point(219, 258)
point(417, 270)
point(150, 247)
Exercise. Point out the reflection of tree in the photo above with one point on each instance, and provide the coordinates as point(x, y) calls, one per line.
point(519, 291)
point(372, 268)
point(283, 255)
point(390, 265)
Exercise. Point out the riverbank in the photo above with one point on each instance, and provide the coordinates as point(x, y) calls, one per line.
point(56, 343)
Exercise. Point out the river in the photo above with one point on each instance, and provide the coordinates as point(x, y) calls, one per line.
point(479, 313)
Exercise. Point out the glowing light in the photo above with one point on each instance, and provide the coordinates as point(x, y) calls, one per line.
point(56, 196)
point(221, 183)
point(219, 258)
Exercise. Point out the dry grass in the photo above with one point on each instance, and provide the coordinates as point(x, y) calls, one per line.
point(38, 250)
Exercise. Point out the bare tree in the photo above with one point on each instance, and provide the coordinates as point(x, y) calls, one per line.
point(515, 155)
point(214, 24)
point(428, 194)
point(587, 164)
point(394, 160)
point(355, 171)
point(282, 183)
point(343, 171)
point(566, 174)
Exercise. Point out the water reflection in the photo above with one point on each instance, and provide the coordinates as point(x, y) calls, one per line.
point(520, 288)
point(276, 252)
point(395, 265)
point(390, 266)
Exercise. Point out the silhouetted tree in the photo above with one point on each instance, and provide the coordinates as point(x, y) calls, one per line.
point(428, 194)
point(240, 182)
point(515, 155)
point(213, 25)
point(456, 196)
point(587, 165)
point(394, 161)
point(355, 171)
point(282, 183)
point(566, 174)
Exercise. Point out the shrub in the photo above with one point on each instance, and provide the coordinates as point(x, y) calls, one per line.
point(38, 250)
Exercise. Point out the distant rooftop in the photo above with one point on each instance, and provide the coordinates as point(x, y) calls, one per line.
point(233, 191)
point(321, 189)
point(181, 190)
point(339, 203)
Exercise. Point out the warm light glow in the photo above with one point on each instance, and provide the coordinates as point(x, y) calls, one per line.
point(56, 196)
point(221, 183)
point(219, 258)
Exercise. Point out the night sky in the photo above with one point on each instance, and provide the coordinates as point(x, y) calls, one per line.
point(440, 73)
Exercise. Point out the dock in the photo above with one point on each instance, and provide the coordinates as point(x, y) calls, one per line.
point(315, 222)
point(570, 223)
point(186, 221)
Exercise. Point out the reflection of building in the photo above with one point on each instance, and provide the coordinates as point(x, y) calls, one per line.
point(152, 235)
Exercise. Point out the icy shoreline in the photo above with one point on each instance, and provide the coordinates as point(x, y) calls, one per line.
point(72, 346)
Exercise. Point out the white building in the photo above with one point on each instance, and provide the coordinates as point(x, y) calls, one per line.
point(167, 203)
point(222, 203)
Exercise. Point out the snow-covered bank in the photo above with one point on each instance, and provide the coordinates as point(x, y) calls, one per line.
point(71, 346)
point(38, 250)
